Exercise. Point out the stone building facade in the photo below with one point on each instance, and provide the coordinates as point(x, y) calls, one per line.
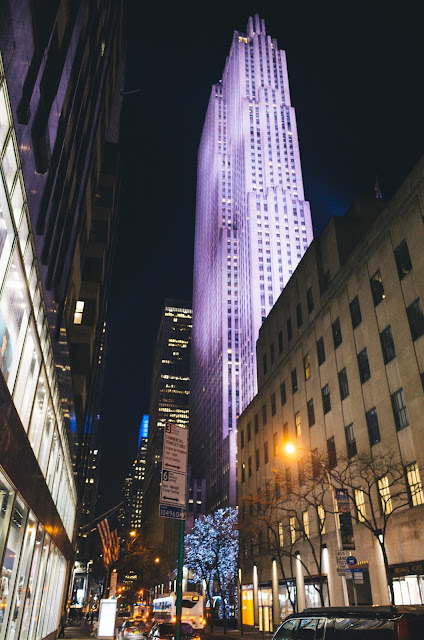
point(340, 374)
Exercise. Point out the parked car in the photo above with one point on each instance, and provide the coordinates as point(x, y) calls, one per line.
point(133, 629)
point(354, 623)
point(167, 630)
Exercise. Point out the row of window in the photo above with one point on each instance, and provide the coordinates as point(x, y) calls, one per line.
point(299, 526)
point(414, 310)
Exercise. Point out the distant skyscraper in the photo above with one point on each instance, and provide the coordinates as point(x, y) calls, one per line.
point(252, 228)
point(169, 402)
point(139, 469)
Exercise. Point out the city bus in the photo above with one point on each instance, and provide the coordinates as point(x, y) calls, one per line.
point(165, 609)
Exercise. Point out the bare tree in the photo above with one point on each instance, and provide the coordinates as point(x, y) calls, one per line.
point(377, 489)
point(283, 511)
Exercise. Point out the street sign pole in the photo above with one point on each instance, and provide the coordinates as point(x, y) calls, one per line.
point(173, 497)
point(179, 603)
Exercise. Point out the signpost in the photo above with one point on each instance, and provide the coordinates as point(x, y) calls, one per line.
point(351, 563)
point(173, 494)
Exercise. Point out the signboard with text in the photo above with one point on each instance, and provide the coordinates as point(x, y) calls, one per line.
point(174, 472)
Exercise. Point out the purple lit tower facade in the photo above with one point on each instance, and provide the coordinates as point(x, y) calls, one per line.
point(252, 228)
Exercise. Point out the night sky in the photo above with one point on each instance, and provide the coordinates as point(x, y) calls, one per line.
point(357, 85)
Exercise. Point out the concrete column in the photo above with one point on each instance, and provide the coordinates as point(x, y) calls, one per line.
point(328, 569)
point(300, 585)
point(379, 588)
point(275, 600)
point(255, 596)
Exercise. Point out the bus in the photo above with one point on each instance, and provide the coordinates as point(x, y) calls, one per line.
point(165, 609)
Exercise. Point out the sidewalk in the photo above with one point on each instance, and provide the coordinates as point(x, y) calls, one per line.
point(79, 632)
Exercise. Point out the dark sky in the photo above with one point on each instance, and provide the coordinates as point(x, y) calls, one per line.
point(356, 81)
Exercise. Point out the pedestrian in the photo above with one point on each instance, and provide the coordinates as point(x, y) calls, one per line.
point(62, 625)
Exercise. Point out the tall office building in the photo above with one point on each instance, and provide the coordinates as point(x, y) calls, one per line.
point(169, 402)
point(139, 472)
point(252, 228)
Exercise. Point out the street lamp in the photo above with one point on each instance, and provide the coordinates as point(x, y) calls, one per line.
point(290, 449)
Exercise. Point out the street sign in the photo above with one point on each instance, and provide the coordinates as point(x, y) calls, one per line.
point(169, 511)
point(174, 472)
point(173, 488)
point(351, 562)
point(358, 575)
point(175, 446)
point(341, 557)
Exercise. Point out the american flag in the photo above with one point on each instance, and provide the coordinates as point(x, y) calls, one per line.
point(110, 542)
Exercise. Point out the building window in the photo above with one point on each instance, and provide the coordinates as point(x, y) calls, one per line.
point(337, 333)
point(294, 381)
point(350, 441)
point(415, 486)
point(275, 443)
point(243, 472)
point(280, 341)
point(242, 438)
point(266, 452)
point(283, 393)
point(285, 431)
point(363, 365)
point(280, 534)
point(385, 498)
point(249, 432)
point(305, 518)
point(321, 519)
point(79, 310)
point(327, 278)
point(326, 402)
point(310, 300)
point(273, 405)
point(377, 288)
point(250, 466)
point(265, 364)
point(272, 353)
point(355, 312)
point(343, 384)
point(311, 412)
point(387, 345)
point(320, 351)
point(256, 423)
point(360, 505)
point(373, 428)
point(301, 472)
point(289, 329)
point(416, 319)
point(399, 410)
point(307, 366)
point(331, 453)
point(299, 315)
point(264, 416)
point(257, 459)
point(298, 424)
point(292, 525)
point(403, 260)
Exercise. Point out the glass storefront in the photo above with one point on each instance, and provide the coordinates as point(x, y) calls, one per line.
point(409, 589)
point(33, 572)
point(26, 357)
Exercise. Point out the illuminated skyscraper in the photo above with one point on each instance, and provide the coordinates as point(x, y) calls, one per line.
point(252, 228)
point(169, 402)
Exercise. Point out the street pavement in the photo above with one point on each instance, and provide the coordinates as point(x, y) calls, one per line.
point(84, 631)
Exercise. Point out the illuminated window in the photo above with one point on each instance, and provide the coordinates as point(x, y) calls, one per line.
point(385, 498)
point(321, 518)
point(298, 424)
point(280, 534)
point(414, 484)
point(79, 310)
point(360, 505)
point(305, 516)
point(307, 366)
